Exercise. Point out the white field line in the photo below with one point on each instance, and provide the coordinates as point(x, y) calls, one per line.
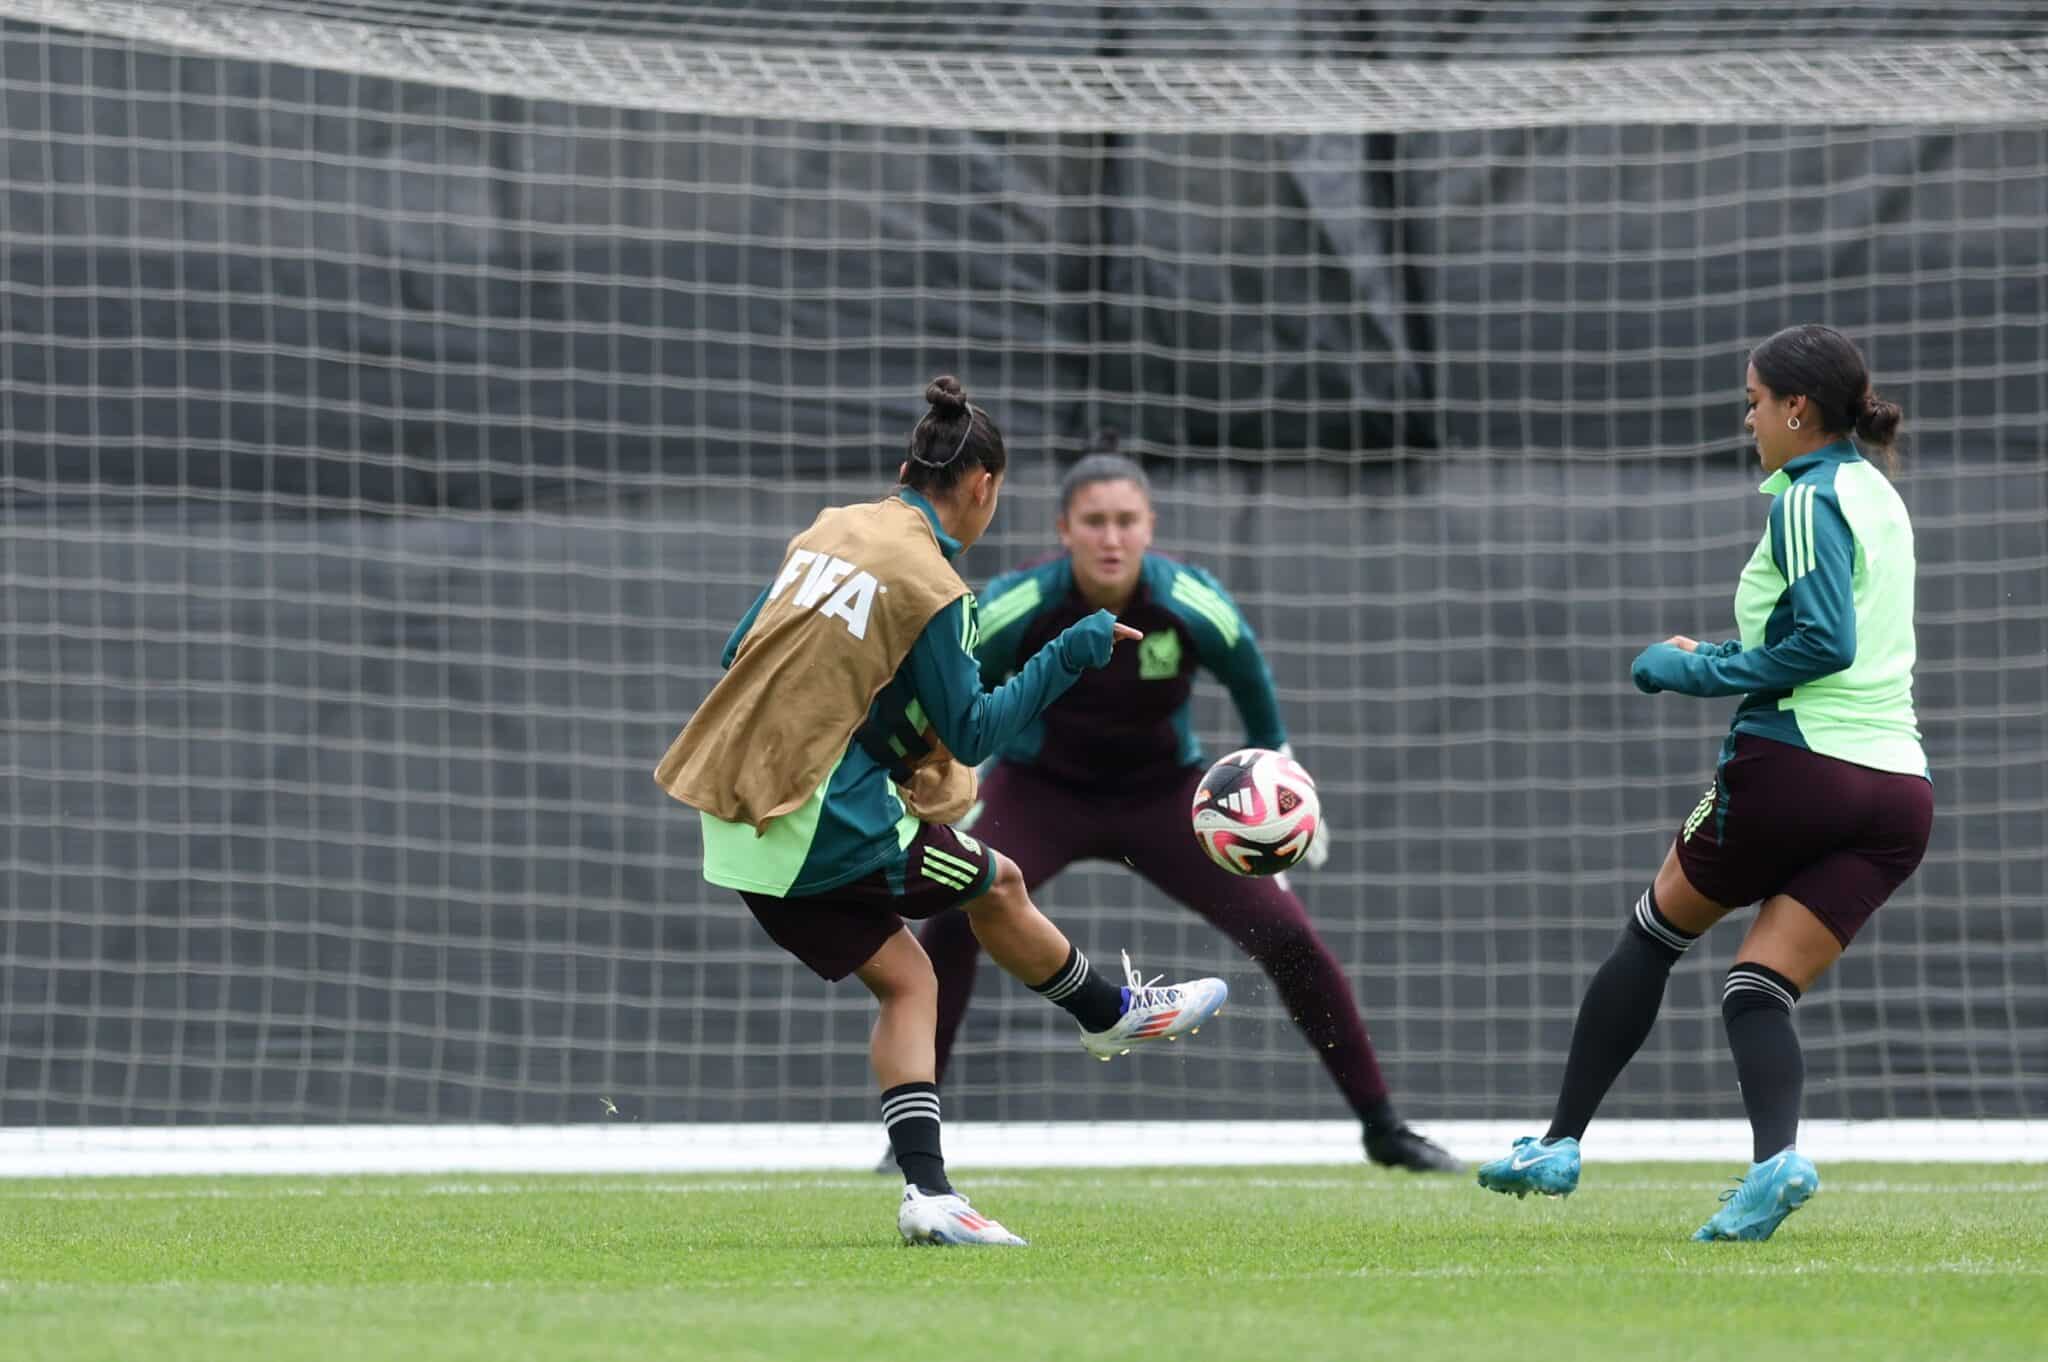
point(1364, 1183)
point(1708, 1262)
point(846, 1147)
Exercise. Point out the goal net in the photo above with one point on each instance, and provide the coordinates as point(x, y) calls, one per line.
point(403, 400)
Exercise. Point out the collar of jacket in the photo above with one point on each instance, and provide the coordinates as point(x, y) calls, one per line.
point(1841, 451)
point(948, 545)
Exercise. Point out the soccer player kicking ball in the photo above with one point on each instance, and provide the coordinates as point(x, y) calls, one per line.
point(1821, 804)
point(1110, 771)
point(829, 760)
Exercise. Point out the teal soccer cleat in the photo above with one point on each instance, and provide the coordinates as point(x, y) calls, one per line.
point(1533, 1166)
point(1759, 1203)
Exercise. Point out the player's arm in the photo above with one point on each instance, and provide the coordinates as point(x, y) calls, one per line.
point(739, 631)
point(1815, 549)
point(975, 723)
point(1227, 648)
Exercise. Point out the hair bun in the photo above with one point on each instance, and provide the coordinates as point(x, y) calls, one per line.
point(946, 395)
point(1879, 420)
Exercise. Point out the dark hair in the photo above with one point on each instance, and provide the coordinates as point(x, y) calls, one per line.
point(1824, 366)
point(951, 438)
point(1101, 464)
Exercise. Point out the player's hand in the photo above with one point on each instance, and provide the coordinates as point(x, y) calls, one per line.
point(1124, 631)
point(1656, 666)
point(1318, 846)
point(1089, 642)
point(1680, 641)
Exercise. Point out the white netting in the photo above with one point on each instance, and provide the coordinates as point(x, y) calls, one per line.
point(1218, 29)
point(2004, 82)
point(402, 402)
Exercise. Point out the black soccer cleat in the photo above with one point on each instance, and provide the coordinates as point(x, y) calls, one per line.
point(1400, 1147)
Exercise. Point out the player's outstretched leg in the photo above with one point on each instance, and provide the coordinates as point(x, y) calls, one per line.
point(1615, 1017)
point(1112, 1018)
point(1155, 1012)
point(1761, 1199)
point(1545, 1167)
point(1264, 919)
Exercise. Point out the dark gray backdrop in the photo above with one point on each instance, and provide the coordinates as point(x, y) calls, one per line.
point(384, 465)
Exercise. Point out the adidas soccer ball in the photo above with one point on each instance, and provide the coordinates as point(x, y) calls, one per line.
point(1256, 811)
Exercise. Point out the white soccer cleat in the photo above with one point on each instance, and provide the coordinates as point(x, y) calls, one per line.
point(948, 1219)
point(1154, 1013)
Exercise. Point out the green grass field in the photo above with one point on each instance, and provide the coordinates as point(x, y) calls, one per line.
point(1900, 1261)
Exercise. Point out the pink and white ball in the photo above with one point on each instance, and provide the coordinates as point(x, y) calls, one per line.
point(1256, 812)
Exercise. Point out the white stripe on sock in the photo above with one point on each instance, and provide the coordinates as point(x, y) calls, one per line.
point(1671, 937)
point(906, 1113)
point(1757, 983)
point(921, 1095)
point(1069, 980)
point(894, 1106)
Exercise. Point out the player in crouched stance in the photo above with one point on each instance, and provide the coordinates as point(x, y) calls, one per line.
point(1109, 774)
point(830, 760)
point(1820, 806)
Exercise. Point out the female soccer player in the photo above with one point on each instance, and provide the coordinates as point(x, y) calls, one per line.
point(1109, 772)
point(1821, 803)
point(829, 760)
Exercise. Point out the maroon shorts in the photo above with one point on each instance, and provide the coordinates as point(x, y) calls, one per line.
point(1779, 819)
point(839, 930)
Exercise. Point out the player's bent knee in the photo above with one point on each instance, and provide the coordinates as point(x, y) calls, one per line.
point(900, 970)
point(919, 990)
point(1652, 930)
point(1006, 891)
point(916, 989)
point(1755, 987)
point(1682, 904)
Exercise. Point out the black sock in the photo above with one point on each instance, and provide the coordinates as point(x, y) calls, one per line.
point(1094, 1002)
point(1380, 1116)
point(1616, 1014)
point(1756, 1007)
point(911, 1113)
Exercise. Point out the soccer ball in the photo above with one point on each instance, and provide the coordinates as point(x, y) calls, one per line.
point(1256, 812)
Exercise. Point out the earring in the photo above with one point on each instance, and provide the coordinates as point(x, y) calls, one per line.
point(1791, 423)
